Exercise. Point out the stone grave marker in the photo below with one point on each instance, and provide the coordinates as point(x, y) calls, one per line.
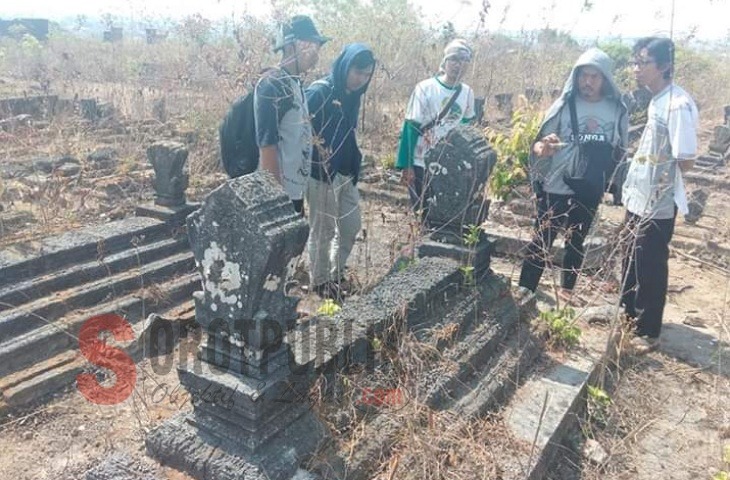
point(250, 418)
point(171, 180)
point(457, 171)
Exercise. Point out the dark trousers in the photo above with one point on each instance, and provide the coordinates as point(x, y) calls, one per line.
point(417, 192)
point(646, 272)
point(298, 206)
point(555, 213)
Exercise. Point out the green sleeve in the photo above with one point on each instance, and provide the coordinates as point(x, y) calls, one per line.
point(408, 139)
point(465, 121)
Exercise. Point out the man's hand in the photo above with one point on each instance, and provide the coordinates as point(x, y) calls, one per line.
point(686, 165)
point(407, 177)
point(269, 160)
point(547, 146)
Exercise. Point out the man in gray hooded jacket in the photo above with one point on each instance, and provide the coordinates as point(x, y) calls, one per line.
point(579, 144)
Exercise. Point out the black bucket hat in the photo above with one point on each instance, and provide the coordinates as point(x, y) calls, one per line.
point(300, 27)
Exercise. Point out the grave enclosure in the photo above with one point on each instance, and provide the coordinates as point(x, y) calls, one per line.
point(227, 260)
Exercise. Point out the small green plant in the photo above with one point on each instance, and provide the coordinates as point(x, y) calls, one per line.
point(513, 151)
point(561, 327)
point(328, 308)
point(724, 474)
point(387, 161)
point(598, 396)
point(467, 272)
point(471, 236)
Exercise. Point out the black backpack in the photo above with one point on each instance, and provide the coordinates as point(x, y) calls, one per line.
point(239, 151)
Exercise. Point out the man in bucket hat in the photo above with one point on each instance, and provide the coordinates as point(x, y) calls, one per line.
point(283, 130)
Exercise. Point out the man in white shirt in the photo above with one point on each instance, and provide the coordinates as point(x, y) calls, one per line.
point(437, 105)
point(654, 191)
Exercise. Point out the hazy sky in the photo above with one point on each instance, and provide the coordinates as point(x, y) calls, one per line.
point(628, 18)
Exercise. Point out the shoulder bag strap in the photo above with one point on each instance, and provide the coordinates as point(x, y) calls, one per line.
point(443, 112)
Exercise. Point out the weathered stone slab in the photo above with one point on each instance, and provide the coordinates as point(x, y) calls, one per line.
point(410, 296)
point(172, 215)
point(120, 466)
point(33, 258)
point(547, 407)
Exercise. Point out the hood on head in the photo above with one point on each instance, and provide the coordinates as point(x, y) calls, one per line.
point(341, 67)
point(594, 57)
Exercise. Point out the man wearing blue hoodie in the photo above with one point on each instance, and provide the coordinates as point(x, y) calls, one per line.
point(582, 138)
point(334, 202)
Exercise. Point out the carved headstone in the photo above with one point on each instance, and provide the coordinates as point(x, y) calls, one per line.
point(457, 171)
point(721, 140)
point(171, 180)
point(504, 102)
point(249, 419)
point(533, 95)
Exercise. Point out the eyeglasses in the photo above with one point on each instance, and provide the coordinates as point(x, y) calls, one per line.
point(640, 63)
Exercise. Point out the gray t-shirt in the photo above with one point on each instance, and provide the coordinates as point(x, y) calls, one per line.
point(597, 122)
point(282, 119)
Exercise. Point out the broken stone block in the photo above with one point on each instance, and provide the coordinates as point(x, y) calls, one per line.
point(504, 102)
point(601, 315)
point(721, 140)
point(120, 466)
point(533, 95)
point(171, 180)
point(696, 204)
point(68, 170)
point(103, 157)
point(595, 453)
point(13, 123)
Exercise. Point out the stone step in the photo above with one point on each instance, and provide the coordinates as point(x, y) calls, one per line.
point(40, 385)
point(61, 336)
point(494, 384)
point(38, 382)
point(47, 310)
point(32, 259)
point(13, 296)
point(476, 349)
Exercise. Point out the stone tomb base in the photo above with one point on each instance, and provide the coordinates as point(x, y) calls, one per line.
point(180, 444)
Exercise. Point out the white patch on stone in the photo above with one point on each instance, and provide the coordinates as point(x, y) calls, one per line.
point(231, 277)
point(436, 168)
point(215, 224)
point(214, 307)
point(272, 283)
point(467, 165)
point(239, 305)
